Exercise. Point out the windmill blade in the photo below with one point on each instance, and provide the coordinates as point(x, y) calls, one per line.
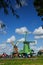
point(18, 42)
point(12, 43)
point(31, 41)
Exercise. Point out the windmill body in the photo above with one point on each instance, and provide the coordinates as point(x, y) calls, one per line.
point(26, 47)
point(15, 50)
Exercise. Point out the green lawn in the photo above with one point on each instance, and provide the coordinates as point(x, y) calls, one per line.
point(29, 61)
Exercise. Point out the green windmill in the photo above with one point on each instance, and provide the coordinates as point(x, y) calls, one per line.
point(26, 47)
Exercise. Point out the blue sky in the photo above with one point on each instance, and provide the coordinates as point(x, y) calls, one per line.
point(28, 18)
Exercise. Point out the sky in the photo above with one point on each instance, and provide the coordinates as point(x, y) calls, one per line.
point(28, 21)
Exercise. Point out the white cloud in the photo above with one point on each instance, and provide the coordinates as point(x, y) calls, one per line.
point(3, 32)
point(38, 31)
point(8, 49)
point(40, 48)
point(2, 46)
point(5, 48)
point(11, 39)
point(22, 30)
point(36, 49)
point(33, 47)
point(38, 37)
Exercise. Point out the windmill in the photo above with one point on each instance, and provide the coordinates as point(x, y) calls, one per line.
point(12, 40)
point(26, 45)
point(15, 50)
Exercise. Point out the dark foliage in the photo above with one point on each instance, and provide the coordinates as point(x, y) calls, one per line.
point(42, 26)
point(9, 4)
point(38, 4)
point(2, 25)
point(40, 53)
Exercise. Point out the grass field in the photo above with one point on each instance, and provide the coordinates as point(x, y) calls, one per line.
point(25, 61)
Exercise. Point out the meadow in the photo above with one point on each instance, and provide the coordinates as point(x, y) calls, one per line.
point(22, 61)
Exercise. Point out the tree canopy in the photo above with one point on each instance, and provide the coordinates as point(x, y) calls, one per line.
point(9, 4)
point(38, 4)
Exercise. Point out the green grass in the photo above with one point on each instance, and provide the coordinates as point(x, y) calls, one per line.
point(27, 61)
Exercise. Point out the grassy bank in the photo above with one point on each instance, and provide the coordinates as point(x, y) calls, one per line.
point(29, 61)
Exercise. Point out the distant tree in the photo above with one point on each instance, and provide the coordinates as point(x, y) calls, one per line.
point(38, 4)
point(39, 53)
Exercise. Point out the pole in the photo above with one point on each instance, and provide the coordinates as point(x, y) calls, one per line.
point(25, 35)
